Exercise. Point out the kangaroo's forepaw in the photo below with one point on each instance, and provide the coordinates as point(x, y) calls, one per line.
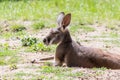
point(57, 64)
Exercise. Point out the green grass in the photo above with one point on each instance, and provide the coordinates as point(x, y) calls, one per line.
point(102, 68)
point(24, 74)
point(5, 51)
point(113, 35)
point(112, 27)
point(57, 70)
point(8, 35)
point(7, 55)
point(53, 73)
point(81, 28)
point(17, 28)
point(83, 11)
point(38, 25)
point(60, 72)
point(112, 43)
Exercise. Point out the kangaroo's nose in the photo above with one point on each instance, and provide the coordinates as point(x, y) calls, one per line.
point(44, 40)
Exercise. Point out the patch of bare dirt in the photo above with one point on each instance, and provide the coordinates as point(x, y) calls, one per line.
point(42, 33)
point(11, 42)
point(98, 75)
point(30, 56)
point(90, 41)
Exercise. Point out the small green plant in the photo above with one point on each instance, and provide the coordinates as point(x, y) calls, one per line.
point(28, 41)
point(38, 47)
point(38, 25)
point(6, 46)
point(41, 47)
point(2, 62)
point(17, 28)
point(13, 67)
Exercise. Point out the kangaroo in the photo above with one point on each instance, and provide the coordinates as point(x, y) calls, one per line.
point(73, 53)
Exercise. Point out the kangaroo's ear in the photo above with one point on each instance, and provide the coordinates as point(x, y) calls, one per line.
point(66, 20)
point(60, 18)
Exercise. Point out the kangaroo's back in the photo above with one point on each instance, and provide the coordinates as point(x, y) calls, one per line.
point(101, 58)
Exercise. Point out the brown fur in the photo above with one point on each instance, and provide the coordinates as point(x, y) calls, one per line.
point(76, 55)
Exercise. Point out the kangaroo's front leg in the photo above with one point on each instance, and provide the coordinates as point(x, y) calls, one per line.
point(58, 59)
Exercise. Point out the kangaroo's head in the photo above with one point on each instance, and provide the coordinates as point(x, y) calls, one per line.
point(57, 34)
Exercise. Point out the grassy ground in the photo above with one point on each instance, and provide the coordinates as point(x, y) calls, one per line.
point(83, 11)
point(24, 23)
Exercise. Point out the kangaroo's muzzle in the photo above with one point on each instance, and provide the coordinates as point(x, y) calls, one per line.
point(46, 41)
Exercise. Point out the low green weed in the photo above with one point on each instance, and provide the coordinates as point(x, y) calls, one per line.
point(28, 41)
point(38, 25)
point(17, 28)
